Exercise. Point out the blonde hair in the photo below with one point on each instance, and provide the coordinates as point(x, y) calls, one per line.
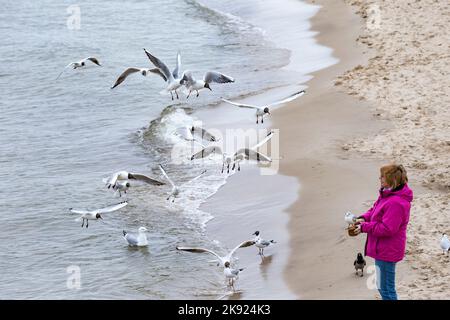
point(395, 175)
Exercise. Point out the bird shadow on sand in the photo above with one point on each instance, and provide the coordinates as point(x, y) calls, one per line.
point(264, 265)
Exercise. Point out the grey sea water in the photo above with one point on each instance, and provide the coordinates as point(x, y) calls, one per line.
point(59, 138)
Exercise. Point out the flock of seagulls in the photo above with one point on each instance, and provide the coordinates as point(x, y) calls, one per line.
point(120, 182)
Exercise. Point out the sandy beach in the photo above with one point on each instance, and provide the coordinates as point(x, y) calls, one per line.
point(374, 107)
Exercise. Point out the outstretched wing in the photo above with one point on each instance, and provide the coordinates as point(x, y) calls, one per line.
point(124, 75)
point(145, 179)
point(79, 211)
point(165, 175)
point(70, 64)
point(289, 98)
point(213, 76)
point(158, 72)
point(242, 105)
point(94, 60)
point(249, 154)
point(197, 177)
point(244, 244)
point(263, 141)
point(111, 181)
point(206, 152)
point(198, 131)
point(160, 65)
point(177, 69)
point(187, 79)
point(113, 207)
point(199, 250)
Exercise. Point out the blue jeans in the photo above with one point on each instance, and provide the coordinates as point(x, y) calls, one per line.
point(386, 279)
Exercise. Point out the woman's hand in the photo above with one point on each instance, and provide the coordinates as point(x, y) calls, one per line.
point(358, 221)
point(357, 229)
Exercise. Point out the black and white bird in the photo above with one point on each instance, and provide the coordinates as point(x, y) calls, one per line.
point(209, 77)
point(231, 274)
point(264, 110)
point(194, 133)
point(139, 240)
point(176, 190)
point(261, 244)
point(445, 244)
point(125, 175)
point(359, 264)
point(96, 214)
point(238, 156)
point(121, 186)
point(80, 64)
point(143, 71)
point(222, 260)
point(174, 79)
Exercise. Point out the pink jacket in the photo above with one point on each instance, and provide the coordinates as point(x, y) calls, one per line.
point(386, 224)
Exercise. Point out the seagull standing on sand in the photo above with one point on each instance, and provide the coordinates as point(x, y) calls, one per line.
point(136, 241)
point(80, 64)
point(261, 244)
point(143, 71)
point(222, 260)
point(445, 244)
point(177, 189)
point(95, 214)
point(209, 77)
point(359, 264)
point(238, 156)
point(174, 79)
point(125, 175)
point(261, 111)
point(231, 274)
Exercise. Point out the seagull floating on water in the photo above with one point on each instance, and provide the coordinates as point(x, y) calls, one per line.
point(174, 79)
point(95, 214)
point(125, 175)
point(261, 111)
point(80, 64)
point(222, 260)
point(136, 241)
point(177, 189)
point(196, 85)
point(261, 244)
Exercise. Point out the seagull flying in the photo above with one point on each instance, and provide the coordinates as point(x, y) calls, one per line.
point(177, 189)
point(143, 71)
point(125, 175)
point(95, 214)
point(209, 77)
point(222, 260)
point(139, 240)
point(80, 64)
point(174, 79)
point(238, 156)
point(261, 111)
point(189, 133)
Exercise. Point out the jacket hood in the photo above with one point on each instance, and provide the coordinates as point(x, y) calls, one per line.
point(404, 193)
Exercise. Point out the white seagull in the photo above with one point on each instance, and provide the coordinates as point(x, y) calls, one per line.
point(121, 186)
point(174, 79)
point(136, 241)
point(80, 64)
point(238, 156)
point(261, 111)
point(445, 244)
point(222, 260)
point(177, 189)
point(209, 77)
point(189, 133)
point(143, 71)
point(261, 244)
point(349, 218)
point(231, 274)
point(95, 214)
point(125, 175)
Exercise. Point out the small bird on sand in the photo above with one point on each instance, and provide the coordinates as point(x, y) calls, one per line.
point(359, 264)
point(445, 244)
point(261, 243)
point(231, 274)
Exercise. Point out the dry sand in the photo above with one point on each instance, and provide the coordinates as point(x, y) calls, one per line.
point(398, 80)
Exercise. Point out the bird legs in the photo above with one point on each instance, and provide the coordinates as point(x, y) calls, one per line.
point(171, 94)
point(87, 223)
point(228, 167)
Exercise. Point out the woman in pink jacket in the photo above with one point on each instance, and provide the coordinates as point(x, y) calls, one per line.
point(385, 224)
